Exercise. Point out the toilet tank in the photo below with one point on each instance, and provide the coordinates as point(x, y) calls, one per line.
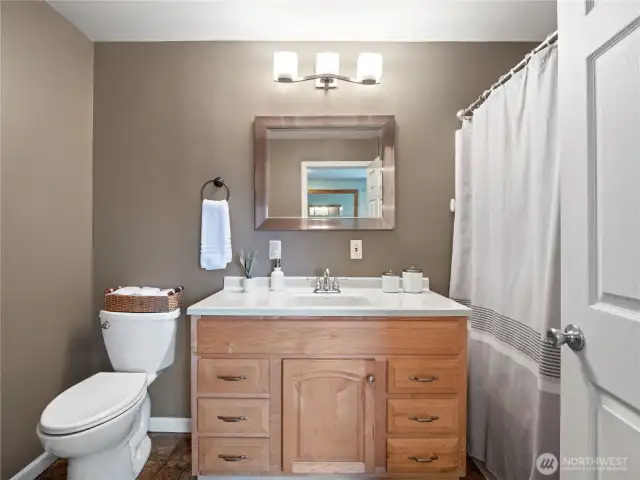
point(140, 342)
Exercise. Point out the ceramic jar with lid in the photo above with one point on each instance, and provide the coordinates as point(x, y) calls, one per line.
point(390, 282)
point(412, 280)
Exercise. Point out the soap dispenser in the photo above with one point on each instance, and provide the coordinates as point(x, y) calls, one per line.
point(277, 277)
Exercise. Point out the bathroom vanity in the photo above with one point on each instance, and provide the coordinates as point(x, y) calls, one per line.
point(357, 383)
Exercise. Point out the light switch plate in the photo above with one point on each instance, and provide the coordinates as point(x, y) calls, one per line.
point(356, 249)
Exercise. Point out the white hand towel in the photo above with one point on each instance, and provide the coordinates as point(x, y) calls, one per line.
point(127, 291)
point(159, 293)
point(215, 236)
point(143, 292)
point(148, 291)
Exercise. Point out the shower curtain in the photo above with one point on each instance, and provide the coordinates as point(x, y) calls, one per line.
point(505, 266)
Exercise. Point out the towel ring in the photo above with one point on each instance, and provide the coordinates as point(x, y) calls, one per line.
point(218, 182)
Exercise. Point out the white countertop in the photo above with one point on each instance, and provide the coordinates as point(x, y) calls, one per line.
point(263, 302)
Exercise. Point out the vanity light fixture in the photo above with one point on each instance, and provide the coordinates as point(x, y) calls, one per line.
point(285, 69)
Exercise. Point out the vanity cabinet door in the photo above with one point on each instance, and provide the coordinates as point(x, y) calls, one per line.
point(328, 416)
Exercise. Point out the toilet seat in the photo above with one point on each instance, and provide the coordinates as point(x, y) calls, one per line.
point(92, 402)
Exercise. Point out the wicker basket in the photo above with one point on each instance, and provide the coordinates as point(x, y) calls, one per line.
point(141, 304)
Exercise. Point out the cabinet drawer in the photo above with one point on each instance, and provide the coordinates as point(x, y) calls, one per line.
point(422, 455)
point(428, 416)
point(310, 336)
point(233, 375)
point(234, 416)
point(426, 375)
point(243, 455)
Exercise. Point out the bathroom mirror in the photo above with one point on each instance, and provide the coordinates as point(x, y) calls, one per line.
point(325, 173)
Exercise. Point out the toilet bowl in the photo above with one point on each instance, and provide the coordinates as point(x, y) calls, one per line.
point(100, 424)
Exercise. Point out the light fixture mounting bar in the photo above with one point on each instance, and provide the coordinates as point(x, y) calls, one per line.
point(326, 78)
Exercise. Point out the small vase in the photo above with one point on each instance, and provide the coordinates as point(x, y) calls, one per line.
point(249, 284)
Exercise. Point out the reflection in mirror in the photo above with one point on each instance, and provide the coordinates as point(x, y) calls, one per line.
point(326, 178)
point(353, 187)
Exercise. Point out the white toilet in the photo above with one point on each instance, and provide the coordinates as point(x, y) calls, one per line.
point(100, 425)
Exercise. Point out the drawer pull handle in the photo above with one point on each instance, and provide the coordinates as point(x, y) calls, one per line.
point(433, 458)
point(231, 419)
point(424, 419)
point(433, 378)
point(232, 378)
point(232, 458)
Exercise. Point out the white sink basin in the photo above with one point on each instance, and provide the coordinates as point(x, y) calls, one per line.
point(328, 300)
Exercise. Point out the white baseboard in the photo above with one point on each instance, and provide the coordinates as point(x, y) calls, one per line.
point(170, 424)
point(35, 468)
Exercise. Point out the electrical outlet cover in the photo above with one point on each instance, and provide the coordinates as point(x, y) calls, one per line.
point(356, 249)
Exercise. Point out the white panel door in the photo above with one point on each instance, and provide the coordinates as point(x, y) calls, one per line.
point(599, 81)
point(374, 188)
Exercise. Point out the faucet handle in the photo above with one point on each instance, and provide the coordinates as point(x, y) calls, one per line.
point(335, 284)
point(318, 283)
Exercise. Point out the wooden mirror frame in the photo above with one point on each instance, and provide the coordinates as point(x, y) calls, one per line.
point(385, 123)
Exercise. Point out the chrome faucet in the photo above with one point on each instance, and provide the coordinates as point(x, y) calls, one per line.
point(327, 284)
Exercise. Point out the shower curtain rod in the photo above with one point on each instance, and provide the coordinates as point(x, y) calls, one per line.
point(467, 113)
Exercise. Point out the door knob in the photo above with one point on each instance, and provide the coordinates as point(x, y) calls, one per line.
point(371, 379)
point(572, 336)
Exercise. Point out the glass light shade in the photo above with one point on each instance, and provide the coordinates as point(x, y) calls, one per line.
point(327, 62)
point(285, 66)
point(369, 68)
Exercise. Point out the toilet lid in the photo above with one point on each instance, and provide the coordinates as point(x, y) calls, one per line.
point(92, 402)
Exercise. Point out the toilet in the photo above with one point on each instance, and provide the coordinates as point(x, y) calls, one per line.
point(100, 425)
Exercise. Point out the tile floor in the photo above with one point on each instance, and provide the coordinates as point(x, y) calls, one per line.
point(170, 459)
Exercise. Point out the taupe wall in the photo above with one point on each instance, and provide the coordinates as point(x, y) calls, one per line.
point(284, 169)
point(169, 116)
point(46, 219)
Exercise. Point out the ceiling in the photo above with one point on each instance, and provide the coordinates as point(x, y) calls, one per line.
point(311, 20)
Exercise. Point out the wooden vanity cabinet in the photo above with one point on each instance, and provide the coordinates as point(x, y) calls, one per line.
point(350, 396)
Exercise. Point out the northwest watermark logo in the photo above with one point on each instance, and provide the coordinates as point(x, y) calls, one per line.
point(547, 464)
